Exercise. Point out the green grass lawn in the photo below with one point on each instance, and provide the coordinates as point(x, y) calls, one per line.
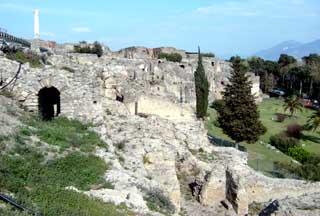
point(261, 157)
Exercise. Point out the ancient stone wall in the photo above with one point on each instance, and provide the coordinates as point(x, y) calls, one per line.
point(85, 79)
point(80, 90)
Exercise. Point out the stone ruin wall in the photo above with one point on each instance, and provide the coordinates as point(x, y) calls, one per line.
point(236, 182)
point(80, 92)
point(158, 86)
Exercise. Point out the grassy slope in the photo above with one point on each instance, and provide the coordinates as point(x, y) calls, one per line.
point(40, 184)
point(260, 157)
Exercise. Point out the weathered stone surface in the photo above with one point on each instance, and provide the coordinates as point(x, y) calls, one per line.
point(150, 151)
point(8, 116)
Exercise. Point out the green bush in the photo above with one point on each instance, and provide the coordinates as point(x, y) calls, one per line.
point(71, 70)
point(32, 58)
point(217, 105)
point(211, 55)
point(310, 170)
point(6, 93)
point(174, 57)
point(283, 142)
point(157, 201)
point(299, 154)
point(96, 49)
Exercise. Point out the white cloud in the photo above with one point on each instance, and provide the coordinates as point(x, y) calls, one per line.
point(81, 29)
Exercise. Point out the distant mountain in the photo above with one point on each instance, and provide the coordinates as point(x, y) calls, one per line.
point(294, 48)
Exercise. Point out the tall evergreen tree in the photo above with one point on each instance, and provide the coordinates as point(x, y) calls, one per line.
point(202, 89)
point(239, 118)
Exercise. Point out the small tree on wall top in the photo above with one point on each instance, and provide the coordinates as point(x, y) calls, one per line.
point(202, 89)
point(239, 118)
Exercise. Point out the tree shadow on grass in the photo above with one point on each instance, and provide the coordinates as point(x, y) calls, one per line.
point(312, 138)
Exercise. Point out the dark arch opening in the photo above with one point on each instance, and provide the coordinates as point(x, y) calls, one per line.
point(49, 103)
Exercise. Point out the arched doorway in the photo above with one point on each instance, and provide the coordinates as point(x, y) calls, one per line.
point(49, 103)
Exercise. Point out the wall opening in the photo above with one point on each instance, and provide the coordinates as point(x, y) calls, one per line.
point(120, 98)
point(49, 103)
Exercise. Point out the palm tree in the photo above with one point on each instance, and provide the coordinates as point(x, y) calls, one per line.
point(292, 104)
point(314, 121)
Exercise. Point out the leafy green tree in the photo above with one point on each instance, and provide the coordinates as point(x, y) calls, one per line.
point(300, 73)
point(286, 62)
point(202, 89)
point(256, 65)
point(313, 63)
point(314, 121)
point(272, 67)
point(267, 82)
point(240, 117)
point(292, 104)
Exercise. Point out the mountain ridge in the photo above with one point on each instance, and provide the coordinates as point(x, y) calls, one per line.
point(290, 47)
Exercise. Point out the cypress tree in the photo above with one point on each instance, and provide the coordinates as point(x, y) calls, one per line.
point(202, 89)
point(239, 118)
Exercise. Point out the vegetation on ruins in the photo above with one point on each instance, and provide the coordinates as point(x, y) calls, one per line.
point(202, 89)
point(38, 178)
point(20, 56)
point(239, 117)
point(157, 201)
point(174, 57)
point(86, 48)
point(209, 54)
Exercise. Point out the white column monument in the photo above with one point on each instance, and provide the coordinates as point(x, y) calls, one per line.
point(36, 24)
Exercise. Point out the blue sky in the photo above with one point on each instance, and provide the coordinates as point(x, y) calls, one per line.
point(220, 26)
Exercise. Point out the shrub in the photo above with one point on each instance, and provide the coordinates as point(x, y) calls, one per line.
point(310, 170)
point(285, 170)
point(96, 49)
point(294, 130)
point(6, 93)
point(157, 201)
point(218, 105)
point(174, 57)
point(299, 154)
point(283, 142)
point(71, 70)
point(121, 145)
point(32, 58)
point(211, 55)
point(280, 117)
point(146, 160)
